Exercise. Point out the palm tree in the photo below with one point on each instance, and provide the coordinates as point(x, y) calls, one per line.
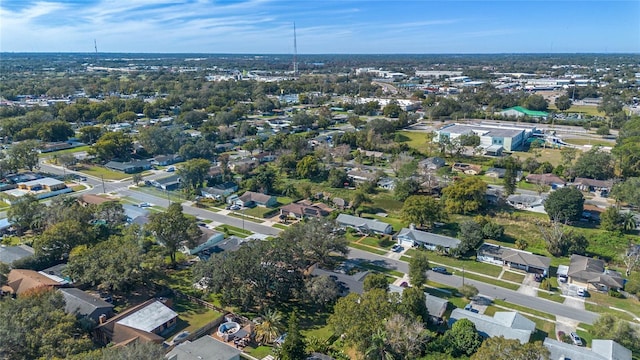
point(628, 221)
point(270, 328)
point(379, 348)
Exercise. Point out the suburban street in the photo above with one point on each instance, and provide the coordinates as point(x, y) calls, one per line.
point(491, 291)
point(496, 292)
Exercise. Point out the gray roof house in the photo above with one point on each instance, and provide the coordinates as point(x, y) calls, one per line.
point(81, 303)
point(520, 201)
point(363, 224)
point(435, 306)
point(129, 167)
point(584, 271)
point(600, 350)
point(432, 163)
point(9, 254)
point(168, 183)
point(509, 324)
point(519, 259)
point(219, 191)
point(412, 237)
point(205, 347)
point(251, 199)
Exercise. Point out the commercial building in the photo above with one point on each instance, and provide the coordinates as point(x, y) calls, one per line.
point(493, 138)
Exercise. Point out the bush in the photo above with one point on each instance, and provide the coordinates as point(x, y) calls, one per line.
point(468, 291)
point(615, 294)
point(521, 244)
point(545, 284)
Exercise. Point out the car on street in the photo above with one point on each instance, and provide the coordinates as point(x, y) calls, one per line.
point(439, 269)
point(576, 339)
point(397, 248)
point(144, 205)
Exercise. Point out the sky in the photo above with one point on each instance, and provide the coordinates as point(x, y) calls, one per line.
point(322, 26)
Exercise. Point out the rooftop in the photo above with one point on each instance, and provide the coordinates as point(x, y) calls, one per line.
point(205, 347)
point(149, 317)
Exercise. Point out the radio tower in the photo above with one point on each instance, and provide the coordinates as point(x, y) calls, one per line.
point(95, 46)
point(295, 51)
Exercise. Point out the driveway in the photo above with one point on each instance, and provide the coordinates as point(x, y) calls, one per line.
point(529, 286)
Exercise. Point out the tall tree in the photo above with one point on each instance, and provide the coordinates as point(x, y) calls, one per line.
point(56, 242)
point(594, 164)
point(418, 266)
point(471, 237)
point(194, 172)
point(270, 326)
point(172, 229)
point(462, 338)
point(563, 102)
point(318, 239)
point(293, 347)
point(421, 210)
point(24, 155)
point(26, 213)
point(376, 281)
point(465, 196)
point(414, 304)
point(499, 348)
point(565, 204)
point(113, 145)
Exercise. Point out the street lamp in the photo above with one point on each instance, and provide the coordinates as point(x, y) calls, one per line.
point(243, 209)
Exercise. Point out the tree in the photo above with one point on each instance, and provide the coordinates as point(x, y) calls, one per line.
point(418, 267)
point(308, 167)
point(172, 229)
point(26, 213)
point(536, 102)
point(462, 339)
point(468, 291)
point(627, 191)
point(379, 348)
point(405, 336)
point(358, 317)
point(595, 164)
point(35, 326)
point(421, 210)
point(24, 155)
point(414, 304)
point(322, 290)
point(90, 134)
point(565, 204)
point(611, 219)
point(270, 326)
point(405, 188)
point(628, 221)
point(293, 347)
point(616, 329)
point(56, 242)
point(499, 348)
point(375, 281)
point(627, 148)
point(392, 110)
point(465, 196)
point(631, 259)
point(470, 236)
point(318, 240)
point(194, 172)
point(563, 102)
point(510, 175)
point(337, 178)
point(265, 178)
point(137, 178)
point(568, 154)
point(113, 145)
point(136, 350)
point(492, 230)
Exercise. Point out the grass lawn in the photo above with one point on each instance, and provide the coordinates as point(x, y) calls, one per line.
point(173, 195)
point(468, 264)
point(78, 187)
point(259, 352)
point(192, 315)
point(397, 224)
point(492, 281)
point(247, 218)
point(414, 139)
point(380, 269)
point(583, 109)
point(511, 276)
point(99, 171)
point(258, 211)
point(525, 309)
point(284, 200)
point(4, 205)
point(584, 331)
point(234, 230)
point(280, 226)
point(550, 155)
point(368, 248)
point(604, 300)
point(594, 142)
point(553, 297)
point(65, 151)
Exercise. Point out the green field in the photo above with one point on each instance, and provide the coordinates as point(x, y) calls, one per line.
point(594, 142)
point(550, 155)
point(414, 139)
point(511, 276)
point(107, 174)
point(581, 109)
point(246, 218)
point(65, 151)
point(234, 230)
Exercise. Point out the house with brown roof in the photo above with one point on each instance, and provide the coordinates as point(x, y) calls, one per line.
point(591, 273)
point(251, 199)
point(300, 210)
point(91, 199)
point(592, 185)
point(552, 180)
point(146, 322)
point(469, 169)
point(20, 281)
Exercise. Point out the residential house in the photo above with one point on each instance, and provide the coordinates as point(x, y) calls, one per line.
point(525, 202)
point(498, 173)
point(469, 169)
point(412, 237)
point(251, 199)
point(387, 183)
point(551, 180)
point(361, 176)
point(6, 226)
point(44, 184)
point(146, 322)
point(353, 283)
point(168, 183)
point(219, 191)
point(164, 160)
point(243, 166)
point(591, 273)
point(519, 259)
point(9, 254)
point(20, 281)
point(509, 324)
point(340, 203)
point(91, 199)
point(264, 157)
point(130, 167)
point(208, 240)
point(363, 224)
point(600, 350)
point(371, 154)
point(81, 303)
point(230, 244)
point(431, 164)
point(135, 214)
point(216, 172)
point(205, 347)
point(300, 210)
point(592, 185)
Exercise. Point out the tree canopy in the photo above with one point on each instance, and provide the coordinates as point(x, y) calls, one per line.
point(173, 229)
point(465, 196)
point(565, 204)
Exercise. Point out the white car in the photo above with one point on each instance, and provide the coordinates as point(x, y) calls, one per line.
point(576, 339)
point(144, 205)
point(582, 292)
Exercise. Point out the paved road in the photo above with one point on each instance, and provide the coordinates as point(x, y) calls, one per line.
point(495, 292)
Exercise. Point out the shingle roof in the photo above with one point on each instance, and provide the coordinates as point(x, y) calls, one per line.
point(82, 303)
point(205, 347)
point(510, 326)
point(591, 270)
point(20, 280)
point(256, 197)
point(593, 182)
point(523, 258)
point(600, 350)
point(9, 254)
point(610, 350)
point(362, 223)
point(149, 317)
point(429, 238)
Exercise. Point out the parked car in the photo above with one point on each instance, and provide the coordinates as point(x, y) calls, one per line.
point(397, 248)
point(538, 277)
point(583, 292)
point(181, 337)
point(576, 339)
point(234, 207)
point(404, 284)
point(562, 278)
point(439, 269)
point(171, 169)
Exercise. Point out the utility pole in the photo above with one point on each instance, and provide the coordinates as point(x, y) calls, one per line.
point(103, 187)
point(462, 275)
